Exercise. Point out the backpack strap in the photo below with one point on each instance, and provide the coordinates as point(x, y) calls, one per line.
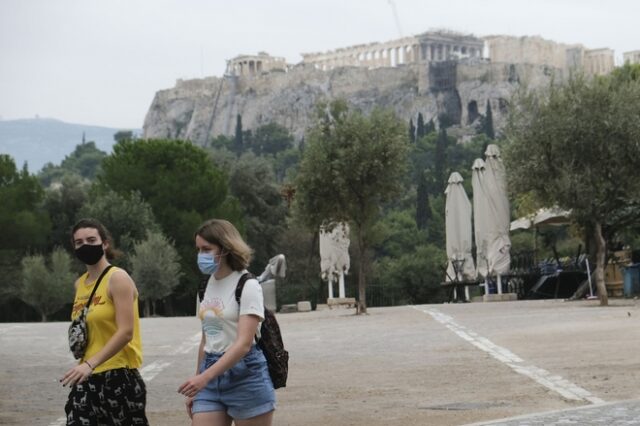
point(240, 286)
point(243, 279)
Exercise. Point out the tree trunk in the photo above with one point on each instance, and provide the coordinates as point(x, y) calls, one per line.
point(361, 307)
point(600, 258)
point(43, 316)
point(147, 308)
point(153, 308)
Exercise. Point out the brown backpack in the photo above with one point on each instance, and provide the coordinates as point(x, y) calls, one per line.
point(270, 341)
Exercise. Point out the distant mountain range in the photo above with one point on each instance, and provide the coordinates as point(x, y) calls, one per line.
point(38, 141)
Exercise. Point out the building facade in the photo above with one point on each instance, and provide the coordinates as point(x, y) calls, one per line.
point(632, 57)
point(251, 65)
point(431, 46)
point(538, 51)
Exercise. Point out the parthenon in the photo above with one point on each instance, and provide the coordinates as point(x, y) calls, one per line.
point(431, 46)
point(439, 46)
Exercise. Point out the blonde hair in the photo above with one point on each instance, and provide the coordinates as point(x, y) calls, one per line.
point(223, 234)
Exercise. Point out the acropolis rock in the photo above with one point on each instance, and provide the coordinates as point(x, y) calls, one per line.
point(436, 74)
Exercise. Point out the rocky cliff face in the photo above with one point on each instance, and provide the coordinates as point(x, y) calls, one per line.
point(200, 109)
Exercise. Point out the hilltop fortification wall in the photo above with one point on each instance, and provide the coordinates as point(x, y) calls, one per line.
point(201, 109)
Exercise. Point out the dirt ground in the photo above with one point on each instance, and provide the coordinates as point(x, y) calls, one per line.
point(393, 366)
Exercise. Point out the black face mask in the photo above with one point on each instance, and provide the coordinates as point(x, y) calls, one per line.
point(90, 255)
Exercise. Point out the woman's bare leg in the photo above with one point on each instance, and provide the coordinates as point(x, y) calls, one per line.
point(261, 420)
point(211, 418)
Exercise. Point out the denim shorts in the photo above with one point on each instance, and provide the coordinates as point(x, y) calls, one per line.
point(243, 391)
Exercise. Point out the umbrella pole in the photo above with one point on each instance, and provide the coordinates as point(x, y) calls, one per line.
point(591, 296)
point(535, 245)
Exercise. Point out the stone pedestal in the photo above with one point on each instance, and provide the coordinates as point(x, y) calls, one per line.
point(284, 309)
point(341, 302)
point(304, 306)
point(504, 297)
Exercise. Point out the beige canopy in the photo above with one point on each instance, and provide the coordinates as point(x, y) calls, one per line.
point(458, 231)
point(480, 213)
point(497, 220)
point(544, 216)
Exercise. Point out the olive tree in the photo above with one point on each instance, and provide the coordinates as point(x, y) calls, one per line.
point(47, 289)
point(577, 145)
point(155, 268)
point(353, 163)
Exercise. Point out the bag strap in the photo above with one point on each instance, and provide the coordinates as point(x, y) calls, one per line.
point(104, 272)
point(243, 279)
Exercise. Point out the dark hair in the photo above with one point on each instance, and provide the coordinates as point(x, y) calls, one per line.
point(104, 233)
point(223, 234)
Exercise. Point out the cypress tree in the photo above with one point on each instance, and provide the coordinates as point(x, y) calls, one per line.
point(412, 131)
point(487, 127)
point(238, 142)
point(430, 127)
point(441, 160)
point(420, 129)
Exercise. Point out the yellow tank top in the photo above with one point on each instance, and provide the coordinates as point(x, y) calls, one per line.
point(101, 322)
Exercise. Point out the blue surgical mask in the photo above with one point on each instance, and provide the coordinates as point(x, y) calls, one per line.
point(207, 263)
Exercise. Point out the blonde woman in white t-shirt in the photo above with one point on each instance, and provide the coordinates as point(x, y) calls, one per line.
point(232, 382)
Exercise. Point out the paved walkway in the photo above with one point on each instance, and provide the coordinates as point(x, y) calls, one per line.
point(609, 414)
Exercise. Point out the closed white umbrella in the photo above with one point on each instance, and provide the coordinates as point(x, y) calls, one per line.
point(458, 231)
point(481, 215)
point(334, 256)
point(495, 185)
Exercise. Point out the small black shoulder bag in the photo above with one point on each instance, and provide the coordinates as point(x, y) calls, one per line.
point(78, 330)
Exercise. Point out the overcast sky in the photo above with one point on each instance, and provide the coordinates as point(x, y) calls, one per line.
point(101, 62)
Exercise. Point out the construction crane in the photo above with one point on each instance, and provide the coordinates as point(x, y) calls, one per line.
point(395, 16)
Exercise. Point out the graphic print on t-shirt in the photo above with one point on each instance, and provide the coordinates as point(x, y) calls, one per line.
point(211, 314)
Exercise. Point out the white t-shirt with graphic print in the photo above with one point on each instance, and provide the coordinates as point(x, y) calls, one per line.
point(219, 311)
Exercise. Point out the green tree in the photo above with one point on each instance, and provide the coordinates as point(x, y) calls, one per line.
point(576, 146)
point(84, 161)
point(24, 227)
point(412, 131)
point(271, 139)
point(123, 135)
point(183, 187)
point(414, 277)
point(62, 202)
point(286, 163)
point(47, 289)
point(420, 130)
point(352, 165)
point(487, 123)
point(423, 209)
point(127, 216)
point(22, 222)
point(175, 177)
point(155, 267)
point(441, 160)
point(253, 184)
point(220, 142)
point(238, 140)
point(430, 127)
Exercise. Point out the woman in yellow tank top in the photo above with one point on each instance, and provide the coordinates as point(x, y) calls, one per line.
point(106, 387)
